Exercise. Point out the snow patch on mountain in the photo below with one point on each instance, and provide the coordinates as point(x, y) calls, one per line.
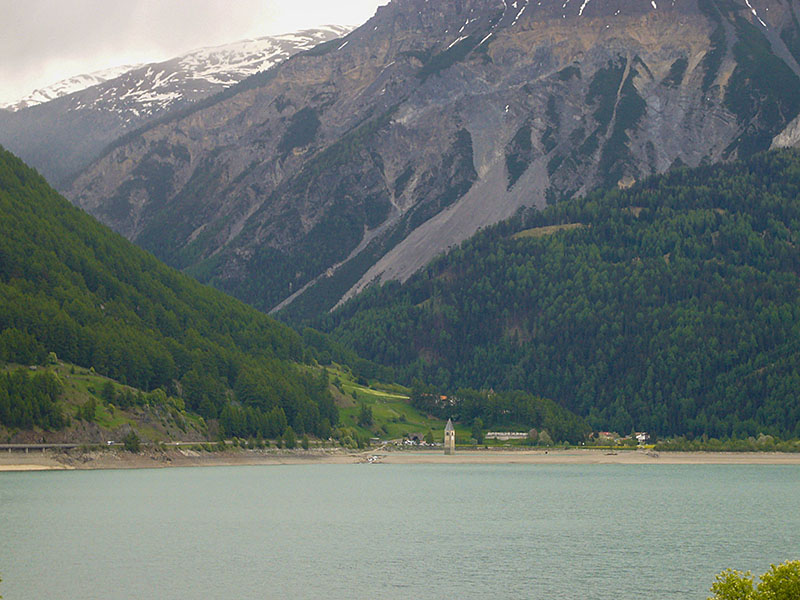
point(67, 86)
point(234, 62)
point(143, 90)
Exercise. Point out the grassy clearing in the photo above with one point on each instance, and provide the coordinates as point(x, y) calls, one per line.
point(152, 422)
point(111, 418)
point(392, 414)
point(538, 232)
point(80, 384)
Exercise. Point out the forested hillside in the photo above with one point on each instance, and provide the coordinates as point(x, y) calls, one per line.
point(673, 306)
point(69, 285)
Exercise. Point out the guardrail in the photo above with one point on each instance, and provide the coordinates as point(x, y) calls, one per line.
point(29, 447)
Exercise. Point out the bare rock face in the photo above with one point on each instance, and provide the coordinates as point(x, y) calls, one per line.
point(789, 137)
point(362, 159)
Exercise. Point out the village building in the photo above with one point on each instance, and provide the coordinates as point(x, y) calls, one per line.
point(414, 439)
point(506, 435)
point(449, 438)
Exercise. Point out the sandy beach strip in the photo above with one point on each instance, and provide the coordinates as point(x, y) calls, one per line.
point(41, 461)
point(592, 457)
point(24, 467)
point(110, 459)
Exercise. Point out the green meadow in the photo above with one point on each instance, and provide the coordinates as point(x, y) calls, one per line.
point(393, 417)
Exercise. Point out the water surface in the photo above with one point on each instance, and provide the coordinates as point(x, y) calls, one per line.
point(393, 531)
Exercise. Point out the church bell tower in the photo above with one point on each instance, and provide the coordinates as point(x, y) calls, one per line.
point(449, 438)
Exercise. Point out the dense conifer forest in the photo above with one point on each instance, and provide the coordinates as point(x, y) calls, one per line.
point(673, 306)
point(70, 286)
point(26, 400)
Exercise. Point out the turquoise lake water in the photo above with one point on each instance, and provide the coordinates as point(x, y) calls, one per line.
point(393, 531)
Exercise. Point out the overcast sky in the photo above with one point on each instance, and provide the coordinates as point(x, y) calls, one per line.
point(45, 41)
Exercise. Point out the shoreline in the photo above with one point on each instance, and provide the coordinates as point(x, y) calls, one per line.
point(112, 459)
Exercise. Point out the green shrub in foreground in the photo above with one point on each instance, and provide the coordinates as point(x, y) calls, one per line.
point(781, 582)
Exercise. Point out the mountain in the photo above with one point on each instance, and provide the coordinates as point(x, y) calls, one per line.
point(671, 307)
point(66, 87)
point(70, 286)
point(62, 128)
point(365, 157)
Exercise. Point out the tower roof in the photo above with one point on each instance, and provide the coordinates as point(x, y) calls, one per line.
point(449, 426)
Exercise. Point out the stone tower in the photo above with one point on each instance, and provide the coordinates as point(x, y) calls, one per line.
point(449, 438)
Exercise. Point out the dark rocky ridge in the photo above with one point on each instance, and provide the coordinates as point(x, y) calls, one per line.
point(365, 157)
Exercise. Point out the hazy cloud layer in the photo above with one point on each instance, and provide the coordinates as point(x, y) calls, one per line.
point(45, 41)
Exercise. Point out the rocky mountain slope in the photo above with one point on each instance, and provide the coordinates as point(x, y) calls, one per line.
point(62, 128)
point(364, 158)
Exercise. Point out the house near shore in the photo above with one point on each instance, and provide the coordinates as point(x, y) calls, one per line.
point(504, 436)
point(415, 439)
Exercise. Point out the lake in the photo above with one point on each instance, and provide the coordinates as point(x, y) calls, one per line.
point(393, 531)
